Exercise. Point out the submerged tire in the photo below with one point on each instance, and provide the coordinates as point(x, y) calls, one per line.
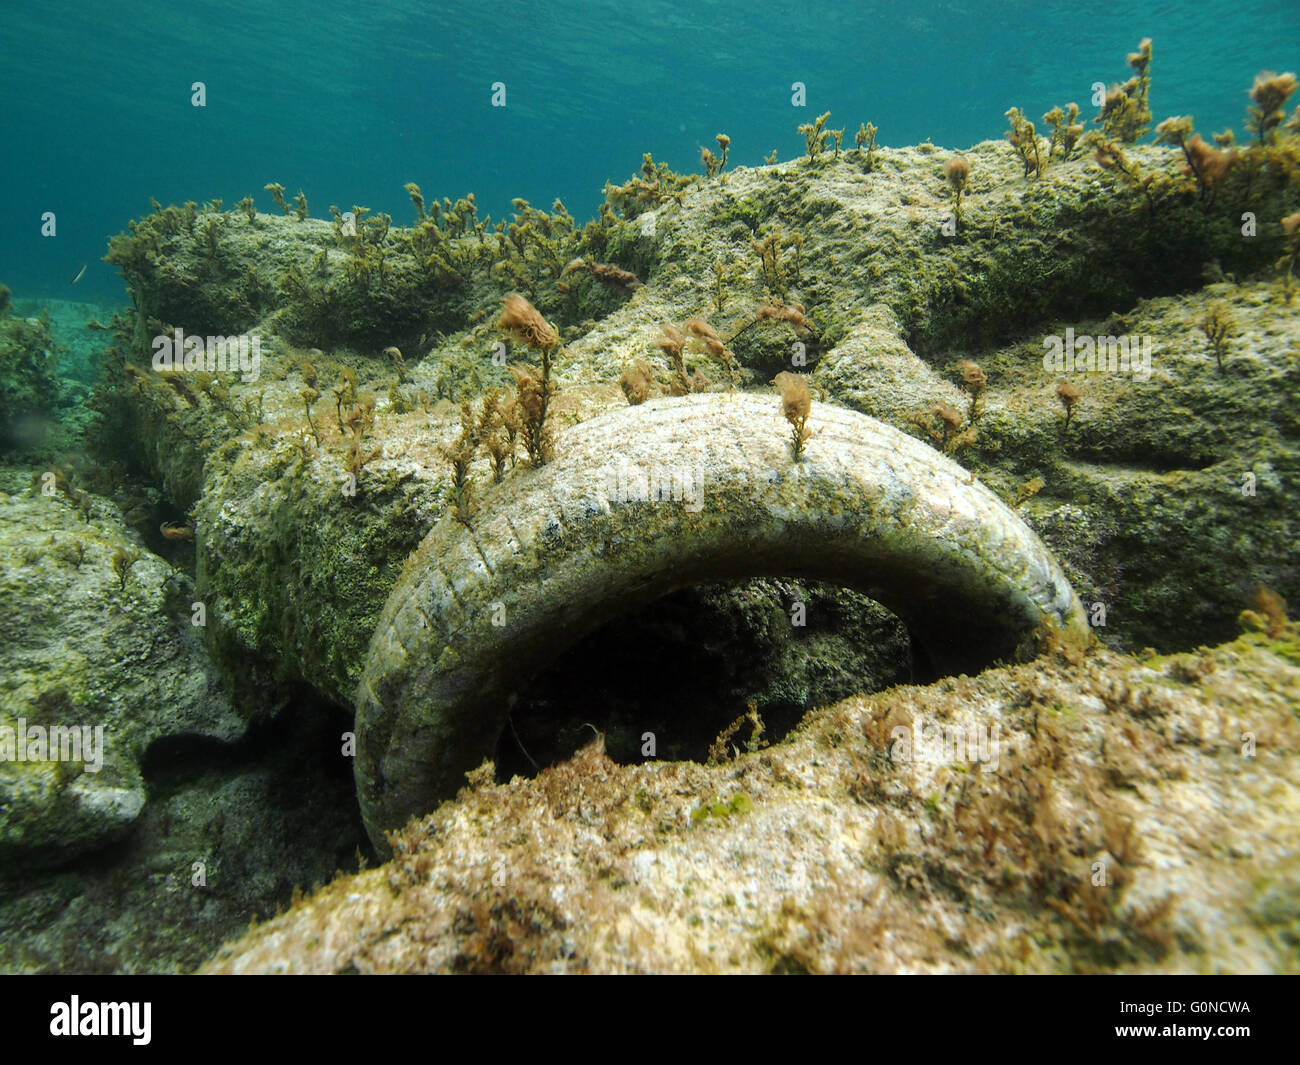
point(644, 500)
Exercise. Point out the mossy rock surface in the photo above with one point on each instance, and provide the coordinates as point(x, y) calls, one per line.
point(967, 866)
point(29, 382)
point(85, 649)
point(1141, 498)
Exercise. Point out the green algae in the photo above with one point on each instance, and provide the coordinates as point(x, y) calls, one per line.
point(738, 805)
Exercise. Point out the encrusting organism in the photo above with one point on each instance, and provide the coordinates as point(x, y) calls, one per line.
point(1069, 395)
point(1216, 325)
point(525, 323)
point(796, 405)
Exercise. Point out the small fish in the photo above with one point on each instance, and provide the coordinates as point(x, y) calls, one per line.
point(176, 532)
point(80, 273)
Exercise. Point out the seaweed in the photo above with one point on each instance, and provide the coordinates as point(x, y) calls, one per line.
point(535, 386)
point(1024, 140)
point(310, 396)
point(1269, 95)
point(636, 382)
point(865, 137)
point(816, 135)
point(1216, 325)
point(1207, 164)
point(1125, 112)
point(1291, 254)
point(1069, 395)
point(277, 194)
point(796, 405)
point(122, 563)
point(974, 381)
point(1066, 130)
point(460, 455)
point(713, 164)
point(957, 173)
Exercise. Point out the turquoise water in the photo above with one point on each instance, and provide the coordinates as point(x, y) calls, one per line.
point(349, 101)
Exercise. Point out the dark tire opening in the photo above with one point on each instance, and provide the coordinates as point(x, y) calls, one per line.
point(662, 683)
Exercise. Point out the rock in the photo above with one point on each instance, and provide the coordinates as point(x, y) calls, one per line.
point(118, 665)
point(1174, 782)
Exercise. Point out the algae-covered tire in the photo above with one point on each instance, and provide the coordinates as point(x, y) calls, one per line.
point(644, 500)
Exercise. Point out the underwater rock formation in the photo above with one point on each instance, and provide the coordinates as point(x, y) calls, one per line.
point(298, 573)
point(655, 497)
point(29, 386)
point(1097, 813)
point(228, 833)
point(1166, 491)
point(100, 661)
